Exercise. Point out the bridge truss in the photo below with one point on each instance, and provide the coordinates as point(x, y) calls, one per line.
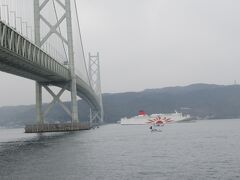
point(38, 8)
point(20, 56)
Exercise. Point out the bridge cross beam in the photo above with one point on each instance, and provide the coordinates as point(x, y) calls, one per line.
point(66, 7)
point(56, 98)
point(95, 117)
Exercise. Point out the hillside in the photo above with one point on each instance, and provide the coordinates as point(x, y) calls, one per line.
point(199, 100)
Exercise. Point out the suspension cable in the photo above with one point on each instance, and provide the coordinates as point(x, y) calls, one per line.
point(59, 28)
point(79, 31)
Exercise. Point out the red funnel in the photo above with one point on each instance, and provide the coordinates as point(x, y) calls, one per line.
point(141, 113)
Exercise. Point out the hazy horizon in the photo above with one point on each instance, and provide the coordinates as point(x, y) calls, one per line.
point(66, 98)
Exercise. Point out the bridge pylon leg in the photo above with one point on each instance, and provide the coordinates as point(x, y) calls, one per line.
point(71, 62)
point(39, 114)
point(74, 102)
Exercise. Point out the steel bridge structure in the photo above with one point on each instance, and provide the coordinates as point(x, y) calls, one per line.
point(25, 58)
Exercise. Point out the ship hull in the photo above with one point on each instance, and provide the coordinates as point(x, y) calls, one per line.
point(144, 120)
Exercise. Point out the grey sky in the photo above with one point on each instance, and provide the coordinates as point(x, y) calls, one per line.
point(152, 44)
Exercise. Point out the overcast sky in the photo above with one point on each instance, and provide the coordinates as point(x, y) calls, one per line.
point(152, 44)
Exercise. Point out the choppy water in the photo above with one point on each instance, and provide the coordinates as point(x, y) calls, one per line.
point(200, 150)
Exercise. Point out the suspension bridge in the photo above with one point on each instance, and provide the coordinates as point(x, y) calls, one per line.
point(45, 45)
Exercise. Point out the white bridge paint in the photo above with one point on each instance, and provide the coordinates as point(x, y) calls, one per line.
point(21, 57)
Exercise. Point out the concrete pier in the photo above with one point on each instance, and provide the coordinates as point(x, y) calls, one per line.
point(42, 128)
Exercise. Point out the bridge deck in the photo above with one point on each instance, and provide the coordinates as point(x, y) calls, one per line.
point(23, 58)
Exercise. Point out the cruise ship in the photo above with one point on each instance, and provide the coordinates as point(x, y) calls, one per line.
point(142, 118)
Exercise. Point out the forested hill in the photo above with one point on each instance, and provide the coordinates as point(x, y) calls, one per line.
point(200, 100)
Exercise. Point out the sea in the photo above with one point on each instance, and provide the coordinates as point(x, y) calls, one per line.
point(202, 149)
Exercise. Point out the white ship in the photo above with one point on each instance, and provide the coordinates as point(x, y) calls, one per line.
point(142, 118)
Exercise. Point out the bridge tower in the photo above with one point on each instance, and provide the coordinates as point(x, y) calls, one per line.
point(96, 116)
point(54, 29)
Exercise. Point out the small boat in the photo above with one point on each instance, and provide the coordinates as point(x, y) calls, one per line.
point(155, 128)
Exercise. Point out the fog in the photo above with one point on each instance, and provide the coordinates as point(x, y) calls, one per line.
point(152, 44)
